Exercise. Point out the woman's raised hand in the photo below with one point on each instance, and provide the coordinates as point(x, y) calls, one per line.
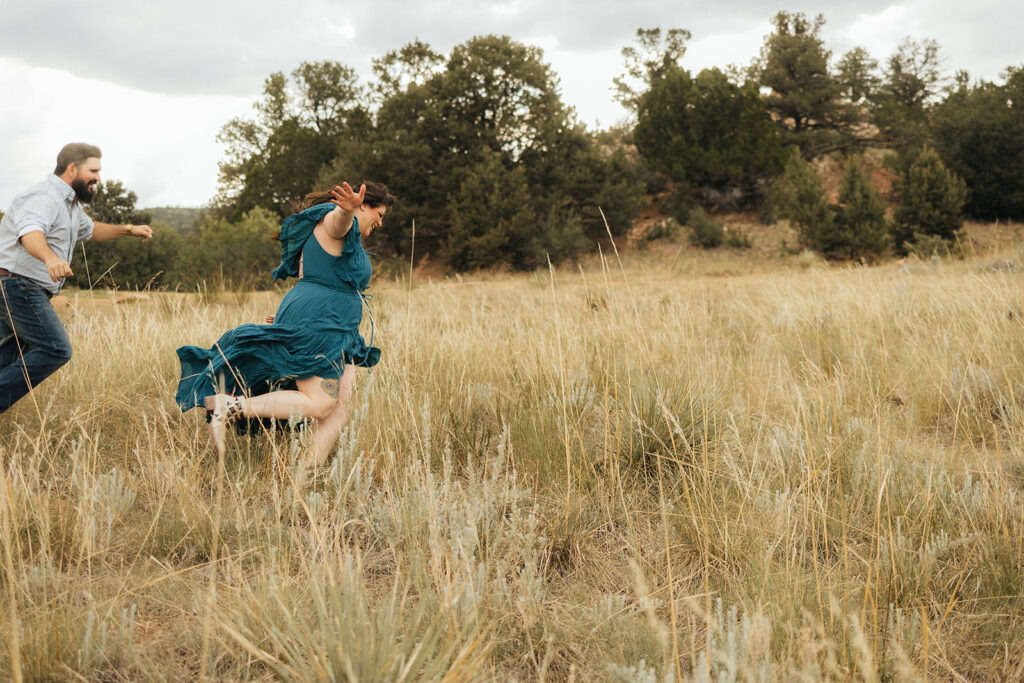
point(346, 198)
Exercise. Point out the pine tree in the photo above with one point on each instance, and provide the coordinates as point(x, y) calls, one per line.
point(801, 199)
point(931, 201)
point(806, 99)
point(860, 229)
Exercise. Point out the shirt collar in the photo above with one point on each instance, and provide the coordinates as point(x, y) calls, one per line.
point(63, 189)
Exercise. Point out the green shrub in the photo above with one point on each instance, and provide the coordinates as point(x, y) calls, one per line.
point(859, 226)
point(800, 199)
point(234, 255)
point(931, 203)
point(705, 232)
point(737, 239)
point(663, 229)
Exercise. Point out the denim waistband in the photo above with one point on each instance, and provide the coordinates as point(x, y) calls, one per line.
point(8, 275)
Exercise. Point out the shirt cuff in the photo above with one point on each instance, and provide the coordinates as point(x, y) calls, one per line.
point(25, 231)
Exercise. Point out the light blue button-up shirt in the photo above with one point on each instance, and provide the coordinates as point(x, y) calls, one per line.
point(51, 208)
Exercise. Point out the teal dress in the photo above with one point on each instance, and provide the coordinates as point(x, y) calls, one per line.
point(315, 331)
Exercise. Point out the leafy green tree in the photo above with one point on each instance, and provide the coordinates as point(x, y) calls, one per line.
point(707, 132)
point(859, 226)
point(652, 57)
point(129, 264)
point(931, 201)
point(435, 136)
point(978, 131)
point(805, 99)
point(802, 200)
point(239, 254)
point(114, 203)
point(125, 263)
point(413, 63)
point(275, 159)
point(911, 82)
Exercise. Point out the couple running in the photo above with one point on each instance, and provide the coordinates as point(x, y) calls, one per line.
point(301, 365)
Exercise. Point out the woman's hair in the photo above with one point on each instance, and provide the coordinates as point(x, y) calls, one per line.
point(376, 195)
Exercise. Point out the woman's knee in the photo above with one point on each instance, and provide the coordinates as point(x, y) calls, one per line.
point(337, 414)
point(323, 407)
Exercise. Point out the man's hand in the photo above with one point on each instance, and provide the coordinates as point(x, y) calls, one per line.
point(58, 269)
point(143, 231)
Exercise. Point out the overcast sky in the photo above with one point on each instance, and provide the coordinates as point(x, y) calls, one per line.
point(151, 83)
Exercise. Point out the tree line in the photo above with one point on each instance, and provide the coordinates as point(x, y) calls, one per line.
point(493, 170)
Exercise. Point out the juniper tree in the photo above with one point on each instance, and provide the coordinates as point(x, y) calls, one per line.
point(801, 199)
point(859, 226)
point(931, 201)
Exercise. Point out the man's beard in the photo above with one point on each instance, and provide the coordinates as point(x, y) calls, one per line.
point(83, 191)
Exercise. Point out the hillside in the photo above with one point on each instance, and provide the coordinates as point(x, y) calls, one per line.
point(181, 218)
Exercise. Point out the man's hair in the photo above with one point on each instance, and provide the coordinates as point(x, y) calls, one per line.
point(75, 153)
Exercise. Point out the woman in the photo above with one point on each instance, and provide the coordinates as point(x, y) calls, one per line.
point(311, 350)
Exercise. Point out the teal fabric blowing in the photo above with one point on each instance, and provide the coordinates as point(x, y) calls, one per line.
point(295, 230)
point(315, 331)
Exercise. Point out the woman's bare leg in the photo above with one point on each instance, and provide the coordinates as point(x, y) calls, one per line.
point(328, 402)
point(315, 397)
point(284, 404)
point(327, 430)
point(310, 400)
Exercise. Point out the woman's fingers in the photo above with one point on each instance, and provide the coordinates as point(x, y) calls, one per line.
point(345, 197)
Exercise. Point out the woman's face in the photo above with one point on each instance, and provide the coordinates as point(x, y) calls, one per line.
point(370, 218)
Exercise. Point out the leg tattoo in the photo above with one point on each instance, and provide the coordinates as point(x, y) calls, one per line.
point(330, 387)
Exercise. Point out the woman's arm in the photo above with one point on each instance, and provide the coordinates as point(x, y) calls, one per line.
point(338, 223)
point(346, 201)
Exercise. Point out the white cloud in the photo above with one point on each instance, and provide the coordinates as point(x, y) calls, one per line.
point(162, 147)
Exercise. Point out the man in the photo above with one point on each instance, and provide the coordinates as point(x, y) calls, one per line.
point(37, 237)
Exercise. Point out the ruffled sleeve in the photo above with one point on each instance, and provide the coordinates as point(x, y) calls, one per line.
point(353, 266)
point(353, 240)
point(295, 230)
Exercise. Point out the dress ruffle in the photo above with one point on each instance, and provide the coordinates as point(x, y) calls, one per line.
point(295, 230)
point(250, 357)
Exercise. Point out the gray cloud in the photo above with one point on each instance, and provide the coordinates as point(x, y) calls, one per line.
point(218, 47)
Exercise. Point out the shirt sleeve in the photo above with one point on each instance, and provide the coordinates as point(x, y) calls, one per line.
point(85, 227)
point(37, 212)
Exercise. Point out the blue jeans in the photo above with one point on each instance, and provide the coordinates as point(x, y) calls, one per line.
point(33, 343)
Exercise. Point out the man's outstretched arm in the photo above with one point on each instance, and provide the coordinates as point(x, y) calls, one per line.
point(104, 232)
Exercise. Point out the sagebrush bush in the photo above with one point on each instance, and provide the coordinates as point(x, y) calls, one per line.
point(705, 232)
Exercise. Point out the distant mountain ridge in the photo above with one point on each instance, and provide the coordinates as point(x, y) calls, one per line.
point(181, 218)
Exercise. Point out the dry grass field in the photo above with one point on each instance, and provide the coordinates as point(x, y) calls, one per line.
point(676, 467)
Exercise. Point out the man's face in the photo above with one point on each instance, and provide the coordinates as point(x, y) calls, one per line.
point(87, 174)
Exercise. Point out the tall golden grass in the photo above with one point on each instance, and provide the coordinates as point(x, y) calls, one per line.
point(631, 472)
